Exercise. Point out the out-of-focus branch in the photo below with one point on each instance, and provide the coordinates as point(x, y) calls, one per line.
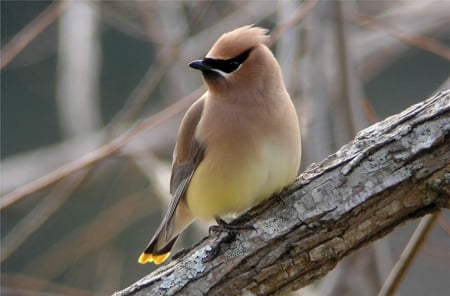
point(31, 31)
point(430, 45)
point(248, 13)
point(409, 253)
point(100, 153)
point(78, 71)
point(375, 49)
point(98, 232)
point(40, 214)
point(295, 19)
point(345, 101)
point(444, 224)
point(142, 91)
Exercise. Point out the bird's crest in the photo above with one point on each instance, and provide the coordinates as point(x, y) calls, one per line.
point(234, 43)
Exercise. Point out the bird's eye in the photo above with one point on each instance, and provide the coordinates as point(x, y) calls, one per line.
point(234, 63)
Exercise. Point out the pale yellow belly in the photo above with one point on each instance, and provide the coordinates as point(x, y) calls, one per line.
point(224, 187)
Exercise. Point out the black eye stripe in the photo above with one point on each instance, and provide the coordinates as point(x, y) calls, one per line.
point(229, 65)
point(242, 57)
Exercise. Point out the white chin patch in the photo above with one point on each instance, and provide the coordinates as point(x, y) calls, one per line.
point(221, 73)
point(224, 74)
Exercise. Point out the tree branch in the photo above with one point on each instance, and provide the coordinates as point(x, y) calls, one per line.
point(393, 171)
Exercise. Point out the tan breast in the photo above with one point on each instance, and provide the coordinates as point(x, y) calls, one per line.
point(247, 158)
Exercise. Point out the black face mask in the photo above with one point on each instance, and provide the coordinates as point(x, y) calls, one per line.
point(229, 65)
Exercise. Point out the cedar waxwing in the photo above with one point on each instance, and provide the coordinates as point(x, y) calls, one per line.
point(237, 145)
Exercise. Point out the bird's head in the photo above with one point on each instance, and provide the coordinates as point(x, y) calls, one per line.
point(240, 61)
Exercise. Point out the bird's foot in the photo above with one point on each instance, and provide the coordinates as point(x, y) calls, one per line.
point(232, 232)
point(223, 226)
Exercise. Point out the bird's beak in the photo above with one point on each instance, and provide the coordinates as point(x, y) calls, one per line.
point(199, 65)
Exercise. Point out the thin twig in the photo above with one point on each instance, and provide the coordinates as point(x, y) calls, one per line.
point(298, 16)
point(344, 101)
point(434, 46)
point(409, 253)
point(444, 224)
point(101, 152)
point(30, 32)
point(142, 91)
point(98, 232)
point(41, 213)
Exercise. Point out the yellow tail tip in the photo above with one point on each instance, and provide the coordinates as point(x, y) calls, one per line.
point(144, 258)
point(157, 259)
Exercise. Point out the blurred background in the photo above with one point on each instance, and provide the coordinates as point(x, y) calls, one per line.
point(76, 75)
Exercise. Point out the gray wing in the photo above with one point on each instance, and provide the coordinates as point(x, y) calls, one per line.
point(188, 154)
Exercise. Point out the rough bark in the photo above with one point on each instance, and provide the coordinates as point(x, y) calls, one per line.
point(393, 171)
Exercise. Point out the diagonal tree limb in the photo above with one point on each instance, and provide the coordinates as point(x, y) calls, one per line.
point(393, 171)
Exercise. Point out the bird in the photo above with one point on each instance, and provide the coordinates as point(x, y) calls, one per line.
point(237, 145)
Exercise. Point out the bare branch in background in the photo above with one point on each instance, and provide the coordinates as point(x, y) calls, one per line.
point(293, 20)
point(30, 32)
point(41, 213)
point(110, 268)
point(79, 114)
point(24, 167)
point(120, 15)
point(164, 60)
point(98, 233)
point(409, 253)
point(78, 74)
point(141, 93)
point(344, 102)
point(248, 13)
point(100, 153)
point(376, 49)
point(431, 45)
point(312, 74)
point(444, 224)
point(287, 48)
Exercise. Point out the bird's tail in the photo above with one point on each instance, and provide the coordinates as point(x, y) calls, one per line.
point(159, 247)
point(155, 255)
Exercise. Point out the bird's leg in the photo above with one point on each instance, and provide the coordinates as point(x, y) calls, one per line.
point(232, 231)
point(223, 226)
